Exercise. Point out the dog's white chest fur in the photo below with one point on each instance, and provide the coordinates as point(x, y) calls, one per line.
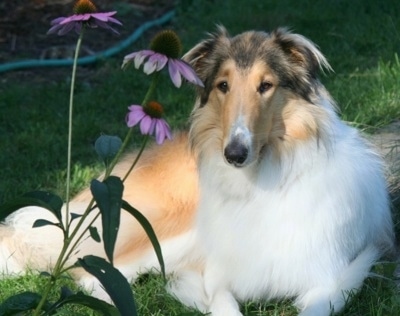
point(282, 229)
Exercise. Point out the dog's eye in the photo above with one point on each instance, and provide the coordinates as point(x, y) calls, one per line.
point(223, 86)
point(264, 87)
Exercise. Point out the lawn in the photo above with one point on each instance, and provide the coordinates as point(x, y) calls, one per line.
point(360, 38)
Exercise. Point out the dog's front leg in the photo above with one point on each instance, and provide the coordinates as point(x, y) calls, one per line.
point(316, 302)
point(222, 301)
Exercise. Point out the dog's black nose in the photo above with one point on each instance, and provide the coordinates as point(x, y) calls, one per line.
point(236, 153)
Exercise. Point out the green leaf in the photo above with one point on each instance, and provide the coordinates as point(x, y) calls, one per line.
point(75, 216)
point(108, 196)
point(20, 302)
point(107, 147)
point(45, 274)
point(94, 234)
point(47, 200)
point(44, 222)
point(149, 231)
point(54, 202)
point(67, 297)
point(114, 283)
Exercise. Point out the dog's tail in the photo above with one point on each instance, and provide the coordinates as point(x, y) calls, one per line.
point(23, 247)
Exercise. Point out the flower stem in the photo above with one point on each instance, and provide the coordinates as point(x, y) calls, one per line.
point(82, 234)
point(59, 264)
point(137, 157)
point(119, 153)
point(152, 88)
point(70, 119)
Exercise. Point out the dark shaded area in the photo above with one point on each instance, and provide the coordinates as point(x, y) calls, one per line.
point(24, 24)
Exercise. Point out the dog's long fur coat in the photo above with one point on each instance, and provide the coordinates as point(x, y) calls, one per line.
point(269, 195)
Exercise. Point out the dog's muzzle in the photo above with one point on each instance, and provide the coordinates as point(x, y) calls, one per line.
point(236, 153)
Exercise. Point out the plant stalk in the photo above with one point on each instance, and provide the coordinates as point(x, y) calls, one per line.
point(70, 120)
point(144, 143)
point(58, 265)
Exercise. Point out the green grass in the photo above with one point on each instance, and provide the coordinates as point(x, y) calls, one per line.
point(378, 96)
point(360, 38)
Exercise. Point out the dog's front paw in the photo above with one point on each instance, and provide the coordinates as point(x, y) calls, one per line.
point(225, 311)
point(224, 304)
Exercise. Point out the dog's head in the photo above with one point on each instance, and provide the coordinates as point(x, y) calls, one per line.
point(260, 90)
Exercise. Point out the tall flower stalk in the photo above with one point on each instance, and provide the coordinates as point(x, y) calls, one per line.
point(85, 16)
point(70, 120)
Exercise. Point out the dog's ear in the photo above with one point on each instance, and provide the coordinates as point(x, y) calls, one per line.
point(301, 52)
point(199, 56)
point(206, 57)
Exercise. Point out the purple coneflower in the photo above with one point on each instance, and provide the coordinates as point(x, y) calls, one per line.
point(150, 119)
point(164, 50)
point(85, 14)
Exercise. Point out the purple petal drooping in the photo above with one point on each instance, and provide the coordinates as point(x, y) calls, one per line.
point(177, 68)
point(63, 25)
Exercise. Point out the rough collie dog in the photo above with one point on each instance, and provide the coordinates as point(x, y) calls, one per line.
point(269, 194)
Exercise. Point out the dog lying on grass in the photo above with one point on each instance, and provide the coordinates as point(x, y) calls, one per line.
point(268, 195)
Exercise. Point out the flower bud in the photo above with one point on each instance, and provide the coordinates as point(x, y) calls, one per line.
point(84, 7)
point(107, 146)
point(154, 109)
point(167, 43)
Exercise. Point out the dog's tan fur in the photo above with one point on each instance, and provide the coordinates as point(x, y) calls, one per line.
point(164, 187)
